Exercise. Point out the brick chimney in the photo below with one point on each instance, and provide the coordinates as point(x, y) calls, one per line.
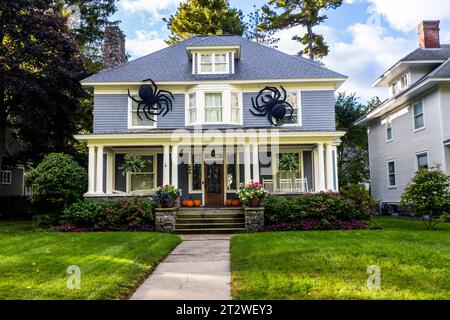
point(113, 47)
point(429, 34)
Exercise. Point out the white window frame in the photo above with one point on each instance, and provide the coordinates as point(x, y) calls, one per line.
point(414, 116)
point(238, 182)
point(222, 107)
point(213, 62)
point(419, 154)
point(130, 117)
point(154, 154)
point(190, 173)
point(396, 87)
point(389, 174)
point(389, 121)
point(5, 177)
point(299, 109)
point(188, 108)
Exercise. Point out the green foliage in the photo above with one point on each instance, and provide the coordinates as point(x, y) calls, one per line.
point(353, 154)
point(204, 17)
point(252, 190)
point(111, 215)
point(324, 206)
point(254, 30)
point(288, 162)
point(133, 163)
point(57, 181)
point(166, 195)
point(427, 196)
point(286, 14)
point(44, 221)
point(360, 197)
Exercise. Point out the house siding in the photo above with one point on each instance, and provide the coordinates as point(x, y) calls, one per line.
point(404, 147)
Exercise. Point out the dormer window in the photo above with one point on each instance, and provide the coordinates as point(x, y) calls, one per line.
point(213, 63)
point(400, 84)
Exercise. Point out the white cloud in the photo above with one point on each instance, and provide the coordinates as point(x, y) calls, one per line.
point(144, 42)
point(154, 7)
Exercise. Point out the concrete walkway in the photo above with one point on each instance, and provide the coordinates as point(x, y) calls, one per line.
point(198, 269)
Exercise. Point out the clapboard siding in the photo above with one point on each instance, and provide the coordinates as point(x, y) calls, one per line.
point(110, 113)
point(318, 110)
point(175, 118)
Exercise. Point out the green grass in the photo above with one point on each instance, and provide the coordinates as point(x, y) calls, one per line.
point(33, 265)
point(414, 263)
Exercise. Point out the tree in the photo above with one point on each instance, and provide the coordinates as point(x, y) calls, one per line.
point(427, 195)
point(285, 14)
point(40, 72)
point(254, 30)
point(353, 157)
point(204, 17)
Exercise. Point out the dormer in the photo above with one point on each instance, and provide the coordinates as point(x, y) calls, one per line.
point(213, 57)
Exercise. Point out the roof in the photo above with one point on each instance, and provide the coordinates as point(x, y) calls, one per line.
point(257, 62)
point(422, 54)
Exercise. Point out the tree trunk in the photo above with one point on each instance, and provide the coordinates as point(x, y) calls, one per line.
point(310, 41)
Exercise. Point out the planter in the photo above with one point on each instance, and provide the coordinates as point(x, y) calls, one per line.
point(254, 203)
point(168, 203)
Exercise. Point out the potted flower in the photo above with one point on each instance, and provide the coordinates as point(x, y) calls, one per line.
point(252, 194)
point(167, 195)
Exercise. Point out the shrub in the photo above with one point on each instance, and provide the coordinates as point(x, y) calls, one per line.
point(58, 181)
point(44, 221)
point(427, 196)
point(111, 215)
point(360, 196)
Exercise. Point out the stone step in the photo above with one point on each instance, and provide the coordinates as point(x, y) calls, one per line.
point(209, 225)
point(211, 231)
point(210, 215)
point(183, 220)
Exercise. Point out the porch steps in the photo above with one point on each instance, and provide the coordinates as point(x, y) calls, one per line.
point(210, 221)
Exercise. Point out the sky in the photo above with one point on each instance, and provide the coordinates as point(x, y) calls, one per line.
point(365, 37)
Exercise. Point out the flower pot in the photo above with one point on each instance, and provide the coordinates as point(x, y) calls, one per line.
point(254, 203)
point(197, 203)
point(168, 203)
point(236, 203)
point(189, 203)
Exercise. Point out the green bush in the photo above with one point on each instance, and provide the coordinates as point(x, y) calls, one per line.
point(44, 221)
point(111, 215)
point(57, 182)
point(321, 207)
point(360, 196)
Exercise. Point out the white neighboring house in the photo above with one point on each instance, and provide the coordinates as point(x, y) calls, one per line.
point(411, 129)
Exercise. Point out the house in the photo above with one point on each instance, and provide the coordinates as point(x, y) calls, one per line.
point(220, 118)
point(411, 129)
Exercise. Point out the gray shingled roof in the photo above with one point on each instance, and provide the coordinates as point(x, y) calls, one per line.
point(422, 54)
point(257, 62)
point(443, 71)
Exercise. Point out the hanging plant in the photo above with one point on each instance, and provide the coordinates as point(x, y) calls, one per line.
point(288, 162)
point(133, 163)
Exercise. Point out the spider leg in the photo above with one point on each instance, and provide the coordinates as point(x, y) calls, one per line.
point(165, 91)
point(276, 92)
point(259, 114)
point(138, 111)
point(153, 83)
point(148, 113)
point(271, 120)
point(291, 110)
point(285, 93)
point(131, 97)
point(166, 100)
point(256, 106)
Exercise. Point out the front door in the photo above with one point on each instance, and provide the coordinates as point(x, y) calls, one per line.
point(214, 184)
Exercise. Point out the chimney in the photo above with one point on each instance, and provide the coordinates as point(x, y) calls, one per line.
point(429, 34)
point(113, 47)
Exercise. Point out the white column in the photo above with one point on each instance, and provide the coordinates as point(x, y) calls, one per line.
point(336, 168)
point(316, 171)
point(109, 172)
point(99, 188)
point(166, 165)
point(255, 163)
point(247, 160)
point(329, 166)
point(91, 188)
point(175, 166)
point(320, 168)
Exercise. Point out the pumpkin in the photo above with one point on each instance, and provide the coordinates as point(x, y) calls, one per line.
point(236, 203)
point(183, 203)
point(197, 203)
point(229, 202)
point(189, 203)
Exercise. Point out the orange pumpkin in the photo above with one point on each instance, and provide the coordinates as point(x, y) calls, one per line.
point(189, 203)
point(197, 203)
point(229, 202)
point(236, 203)
point(183, 203)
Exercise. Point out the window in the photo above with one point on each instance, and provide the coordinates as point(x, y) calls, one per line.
point(232, 174)
point(192, 108)
point(213, 107)
point(391, 174)
point(422, 161)
point(389, 135)
point(5, 177)
point(400, 84)
point(195, 172)
point(144, 180)
point(139, 122)
point(235, 110)
point(213, 63)
point(292, 99)
point(419, 120)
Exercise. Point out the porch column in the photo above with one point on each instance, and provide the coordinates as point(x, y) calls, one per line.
point(175, 166)
point(320, 168)
point(166, 165)
point(91, 170)
point(99, 189)
point(336, 168)
point(247, 160)
point(329, 166)
point(255, 163)
point(109, 172)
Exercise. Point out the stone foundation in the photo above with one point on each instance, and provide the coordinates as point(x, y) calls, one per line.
point(165, 219)
point(254, 219)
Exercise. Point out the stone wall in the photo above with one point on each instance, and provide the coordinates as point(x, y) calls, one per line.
point(254, 219)
point(165, 219)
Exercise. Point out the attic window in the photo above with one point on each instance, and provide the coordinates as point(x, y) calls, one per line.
point(213, 63)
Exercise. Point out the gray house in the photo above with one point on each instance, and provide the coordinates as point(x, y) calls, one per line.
point(411, 129)
point(214, 137)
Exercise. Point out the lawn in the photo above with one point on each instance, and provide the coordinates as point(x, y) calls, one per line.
point(414, 263)
point(33, 265)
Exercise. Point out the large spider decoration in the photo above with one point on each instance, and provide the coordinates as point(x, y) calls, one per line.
point(271, 103)
point(153, 102)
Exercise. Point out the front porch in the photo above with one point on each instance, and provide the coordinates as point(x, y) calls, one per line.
point(213, 171)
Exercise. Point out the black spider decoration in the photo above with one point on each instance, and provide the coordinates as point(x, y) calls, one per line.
point(271, 103)
point(154, 102)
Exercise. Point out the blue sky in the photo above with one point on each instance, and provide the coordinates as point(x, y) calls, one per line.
point(365, 37)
